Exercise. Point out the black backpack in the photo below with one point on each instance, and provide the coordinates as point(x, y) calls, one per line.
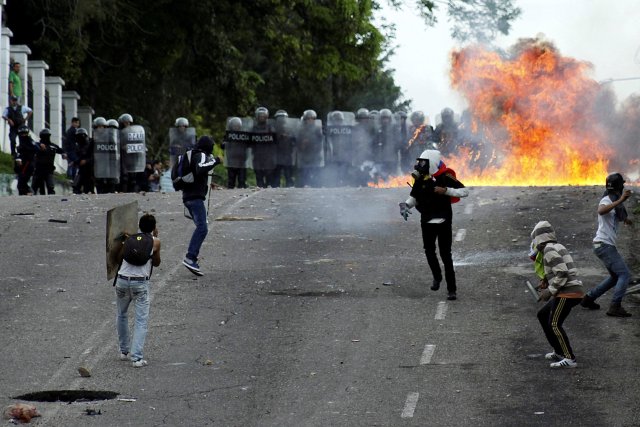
point(137, 248)
point(182, 173)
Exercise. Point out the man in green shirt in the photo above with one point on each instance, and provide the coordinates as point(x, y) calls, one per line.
point(15, 83)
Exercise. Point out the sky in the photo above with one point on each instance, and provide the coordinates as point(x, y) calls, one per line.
point(603, 32)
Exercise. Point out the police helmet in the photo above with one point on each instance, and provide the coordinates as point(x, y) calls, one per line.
point(309, 115)
point(374, 113)
point(125, 118)
point(112, 123)
point(261, 111)
point(99, 121)
point(281, 113)
point(182, 121)
point(234, 123)
point(446, 113)
point(23, 129)
point(82, 132)
point(417, 118)
point(615, 182)
point(385, 113)
point(45, 132)
point(362, 113)
point(402, 114)
point(337, 116)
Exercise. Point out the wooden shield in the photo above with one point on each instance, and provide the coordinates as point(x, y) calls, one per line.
point(120, 220)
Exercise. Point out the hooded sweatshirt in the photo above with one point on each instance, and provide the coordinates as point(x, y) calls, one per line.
point(202, 161)
point(559, 268)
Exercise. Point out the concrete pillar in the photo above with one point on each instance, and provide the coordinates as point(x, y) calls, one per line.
point(70, 100)
point(85, 114)
point(5, 56)
point(37, 72)
point(54, 87)
point(20, 53)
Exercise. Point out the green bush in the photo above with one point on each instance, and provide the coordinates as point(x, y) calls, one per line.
point(6, 163)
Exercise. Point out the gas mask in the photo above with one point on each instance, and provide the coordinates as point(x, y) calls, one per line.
point(421, 168)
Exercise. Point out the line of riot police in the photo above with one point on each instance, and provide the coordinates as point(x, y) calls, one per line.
point(348, 149)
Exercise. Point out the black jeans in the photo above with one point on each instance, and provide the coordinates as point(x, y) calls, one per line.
point(443, 234)
point(551, 317)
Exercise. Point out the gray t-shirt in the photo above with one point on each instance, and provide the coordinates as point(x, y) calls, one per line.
point(607, 225)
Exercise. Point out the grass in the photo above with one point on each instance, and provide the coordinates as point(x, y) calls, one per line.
point(6, 163)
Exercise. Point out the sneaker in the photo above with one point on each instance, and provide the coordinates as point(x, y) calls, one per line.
point(553, 356)
point(124, 356)
point(192, 266)
point(436, 285)
point(451, 296)
point(564, 363)
point(616, 310)
point(139, 363)
point(590, 303)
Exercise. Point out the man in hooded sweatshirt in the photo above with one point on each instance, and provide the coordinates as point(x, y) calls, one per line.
point(562, 291)
point(435, 188)
point(611, 212)
point(193, 197)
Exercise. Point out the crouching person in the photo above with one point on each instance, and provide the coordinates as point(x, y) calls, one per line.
point(562, 291)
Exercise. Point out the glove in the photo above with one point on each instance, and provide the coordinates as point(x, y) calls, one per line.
point(404, 210)
point(545, 295)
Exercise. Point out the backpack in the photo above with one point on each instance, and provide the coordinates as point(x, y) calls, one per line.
point(137, 248)
point(182, 172)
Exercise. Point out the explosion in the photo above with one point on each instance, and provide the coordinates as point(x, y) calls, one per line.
point(532, 119)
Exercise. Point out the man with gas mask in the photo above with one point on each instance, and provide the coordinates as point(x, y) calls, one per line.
point(434, 189)
point(611, 212)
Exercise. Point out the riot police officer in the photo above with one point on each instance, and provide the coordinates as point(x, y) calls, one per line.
point(44, 163)
point(25, 153)
point(235, 146)
point(84, 182)
point(286, 143)
point(264, 148)
point(310, 150)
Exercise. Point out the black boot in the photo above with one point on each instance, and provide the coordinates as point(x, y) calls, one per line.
point(589, 302)
point(616, 310)
point(436, 285)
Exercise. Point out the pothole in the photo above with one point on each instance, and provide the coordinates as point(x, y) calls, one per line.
point(68, 396)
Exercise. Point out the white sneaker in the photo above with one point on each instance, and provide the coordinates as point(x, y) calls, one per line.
point(553, 356)
point(565, 363)
point(139, 363)
point(124, 356)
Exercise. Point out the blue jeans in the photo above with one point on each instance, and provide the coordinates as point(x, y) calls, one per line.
point(619, 274)
point(199, 214)
point(138, 292)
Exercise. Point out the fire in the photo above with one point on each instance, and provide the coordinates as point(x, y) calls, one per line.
point(534, 119)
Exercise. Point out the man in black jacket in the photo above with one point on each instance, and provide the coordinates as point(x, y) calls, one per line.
point(44, 163)
point(25, 153)
point(193, 197)
point(434, 190)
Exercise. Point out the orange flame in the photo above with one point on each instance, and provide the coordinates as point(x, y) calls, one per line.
point(535, 116)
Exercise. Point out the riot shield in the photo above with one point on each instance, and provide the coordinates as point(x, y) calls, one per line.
point(339, 132)
point(236, 144)
point(106, 153)
point(286, 132)
point(180, 141)
point(120, 220)
point(309, 143)
point(134, 149)
point(263, 145)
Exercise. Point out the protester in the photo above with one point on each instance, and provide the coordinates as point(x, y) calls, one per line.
point(434, 189)
point(611, 212)
point(561, 289)
point(193, 197)
point(132, 284)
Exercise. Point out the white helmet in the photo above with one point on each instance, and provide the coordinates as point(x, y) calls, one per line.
point(434, 158)
point(126, 117)
point(181, 121)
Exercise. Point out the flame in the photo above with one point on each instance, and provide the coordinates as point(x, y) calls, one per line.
point(533, 119)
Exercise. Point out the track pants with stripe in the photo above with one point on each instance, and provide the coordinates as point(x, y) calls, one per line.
point(551, 317)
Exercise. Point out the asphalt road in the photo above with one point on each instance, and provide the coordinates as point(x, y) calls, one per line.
point(314, 311)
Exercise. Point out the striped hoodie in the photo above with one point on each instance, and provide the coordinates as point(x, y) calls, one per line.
point(559, 268)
